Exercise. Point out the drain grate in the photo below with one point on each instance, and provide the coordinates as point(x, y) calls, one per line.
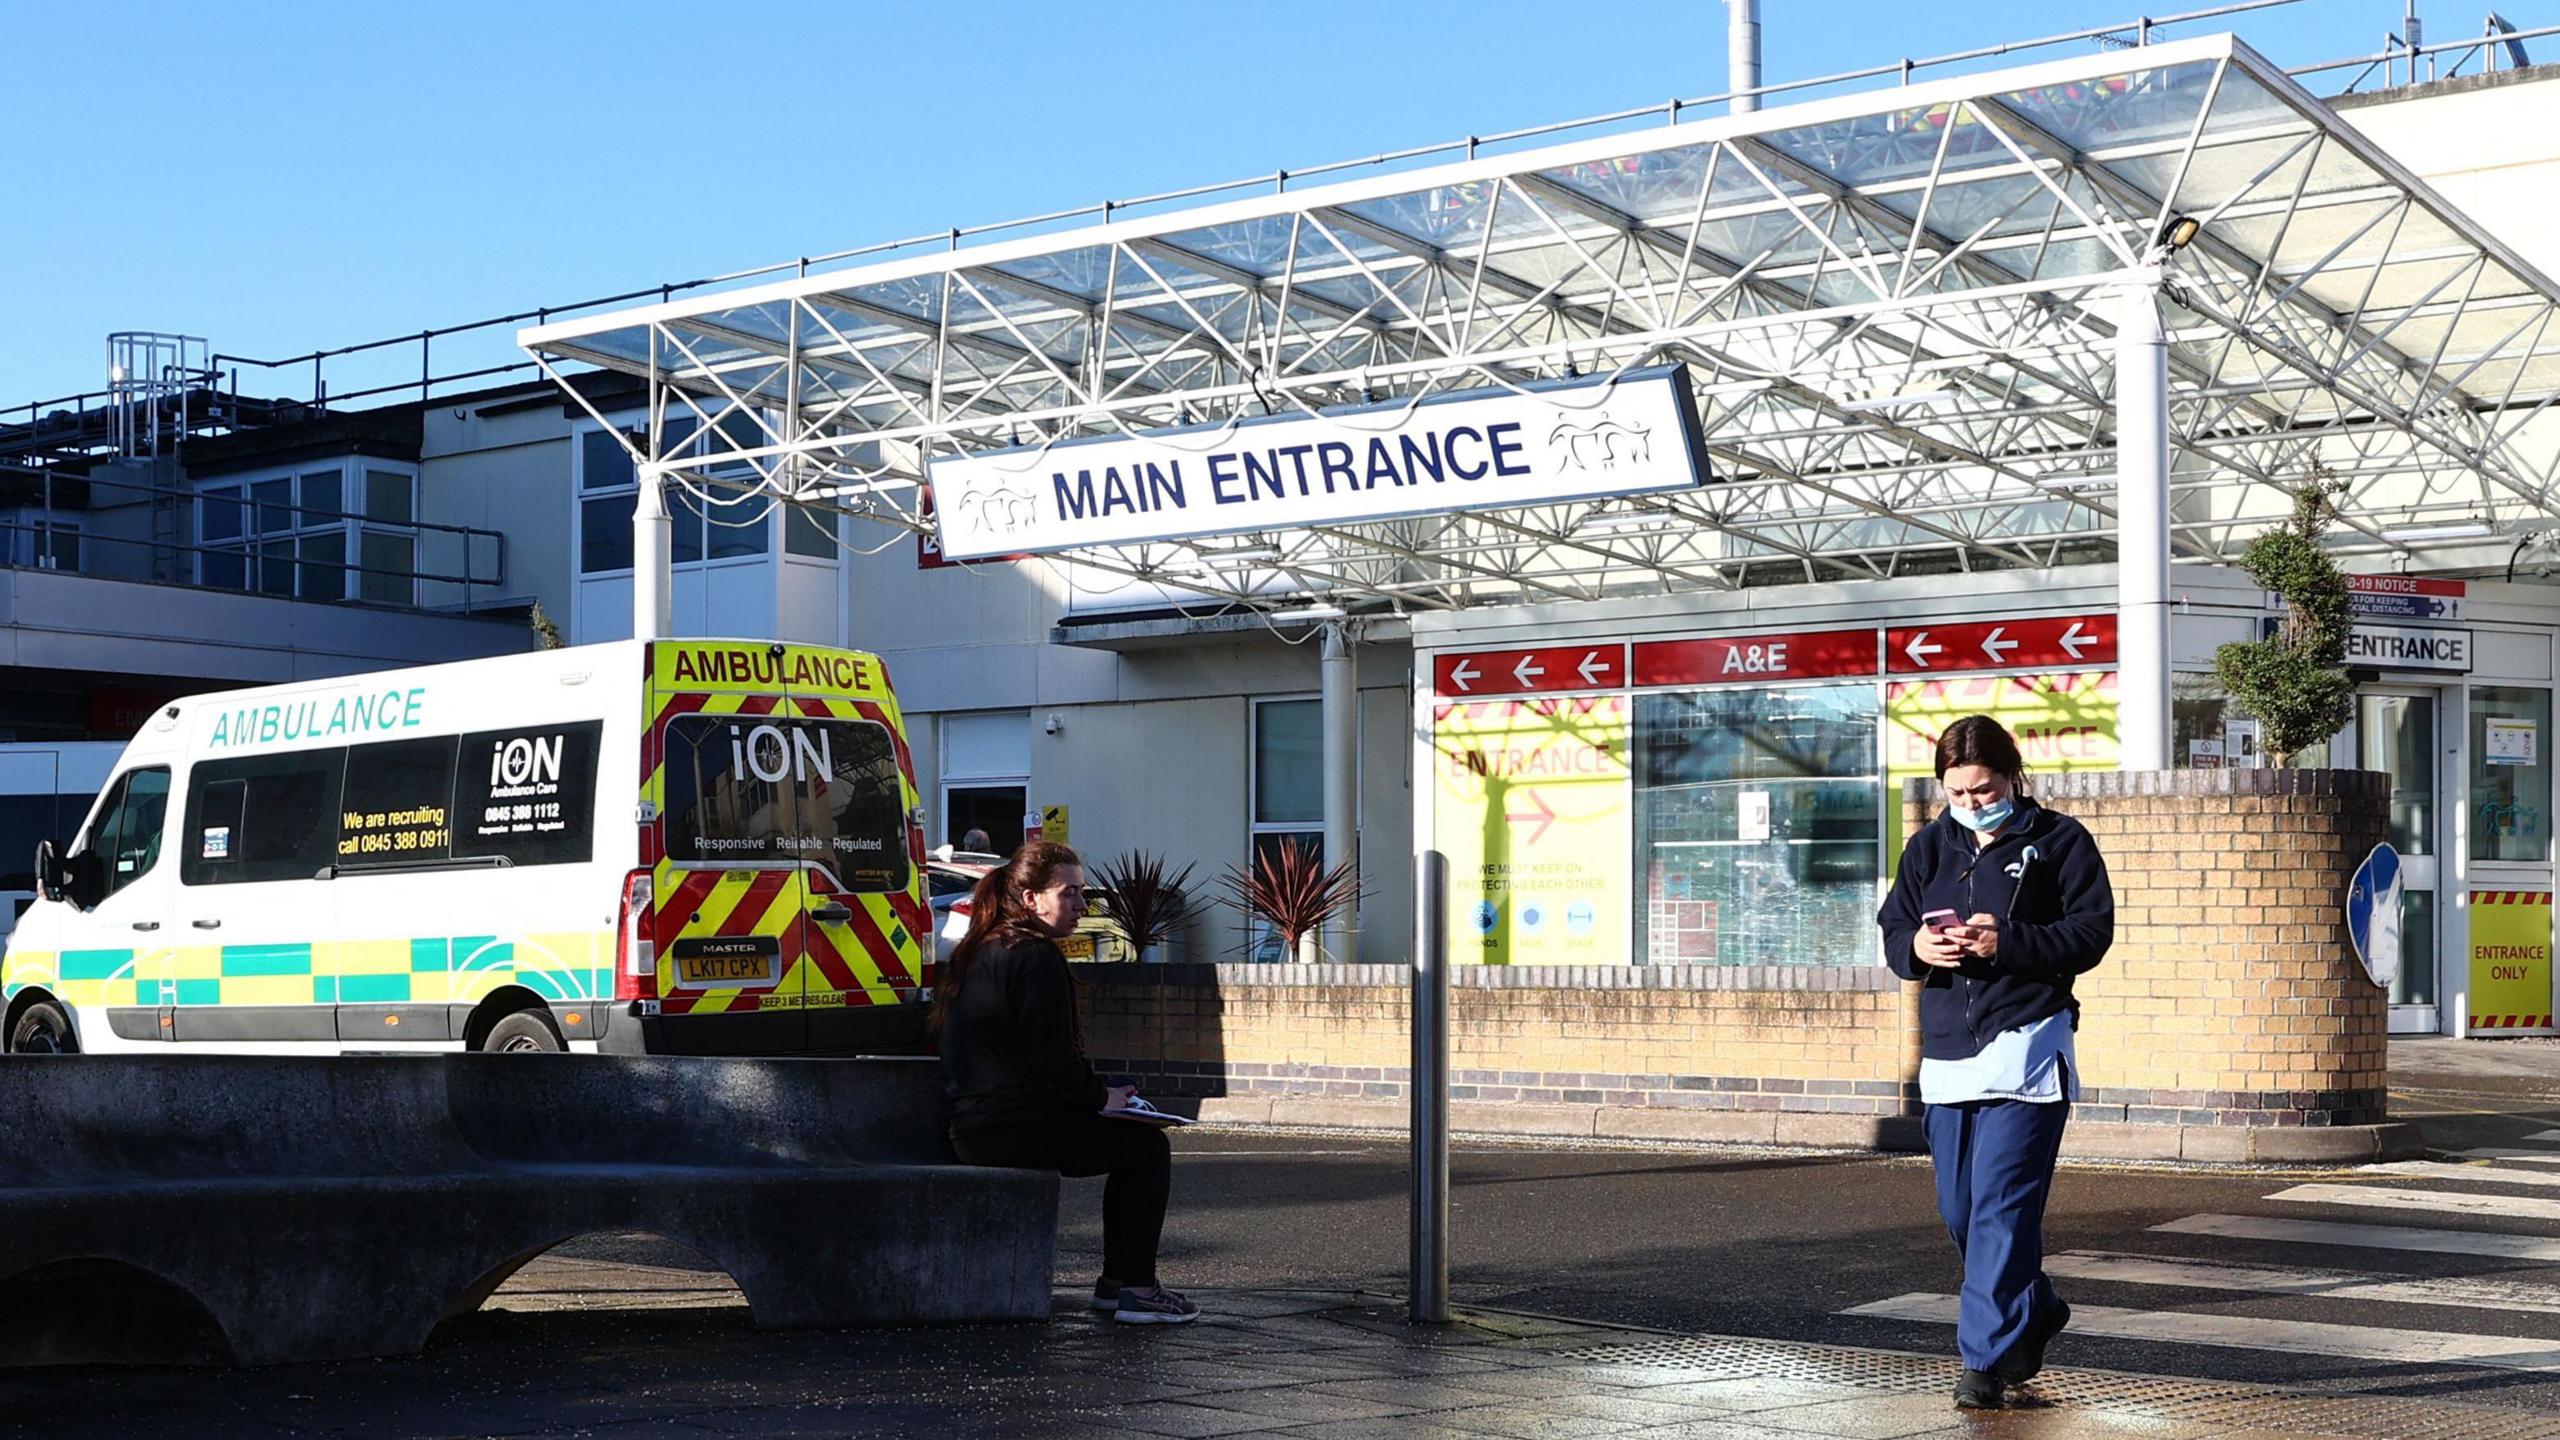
point(2161, 1397)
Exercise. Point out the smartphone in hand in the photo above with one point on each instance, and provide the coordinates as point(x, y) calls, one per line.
point(1938, 919)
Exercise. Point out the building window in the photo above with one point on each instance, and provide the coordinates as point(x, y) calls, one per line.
point(1288, 773)
point(297, 536)
point(1759, 820)
point(986, 778)
point(716, 525)
point(2510, 793)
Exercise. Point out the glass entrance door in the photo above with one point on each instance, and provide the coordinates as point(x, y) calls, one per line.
point(2396, 733)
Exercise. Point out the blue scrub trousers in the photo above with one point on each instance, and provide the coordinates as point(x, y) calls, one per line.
point(1994, 1160)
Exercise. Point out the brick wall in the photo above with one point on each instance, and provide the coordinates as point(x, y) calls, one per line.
point(2231, 1021)
point(2233, 996)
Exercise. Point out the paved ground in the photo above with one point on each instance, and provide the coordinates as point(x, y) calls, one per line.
point(1786, 1293)
point(1308, 1366)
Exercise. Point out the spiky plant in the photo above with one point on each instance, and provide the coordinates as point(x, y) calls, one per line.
point(1293, 891)
point(1148, 906)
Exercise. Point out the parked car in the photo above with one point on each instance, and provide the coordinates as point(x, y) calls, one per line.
point(950, 876)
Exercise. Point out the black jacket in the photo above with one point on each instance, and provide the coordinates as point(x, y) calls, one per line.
point(2046, 881)
point(1012, 1050)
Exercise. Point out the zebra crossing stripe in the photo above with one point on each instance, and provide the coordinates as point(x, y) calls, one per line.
point(2366, 1237)
point(2545, 1135)
point(2238, 1332)
point(2466, 1294)
point(2450, 1202)
point(2494, 1152)
point(2439, 1170)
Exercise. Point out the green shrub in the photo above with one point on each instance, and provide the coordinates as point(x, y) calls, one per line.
point(2292, 682)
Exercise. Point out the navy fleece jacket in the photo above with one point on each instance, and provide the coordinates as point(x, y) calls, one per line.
point(2044, 879)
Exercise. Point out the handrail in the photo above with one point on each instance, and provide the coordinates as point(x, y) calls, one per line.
point(246, 551)
point(2395, 49)
point(2140, 27)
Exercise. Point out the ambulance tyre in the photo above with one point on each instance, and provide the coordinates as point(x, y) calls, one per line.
point(526, 1032)
point(42, 1029)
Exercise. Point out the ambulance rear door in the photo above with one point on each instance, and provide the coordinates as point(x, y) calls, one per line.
point(867, 921)
point(729, 892)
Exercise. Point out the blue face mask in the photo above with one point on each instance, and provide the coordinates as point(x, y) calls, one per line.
point(1989, 817)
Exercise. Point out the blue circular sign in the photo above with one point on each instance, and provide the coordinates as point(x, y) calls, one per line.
point(1486, 915)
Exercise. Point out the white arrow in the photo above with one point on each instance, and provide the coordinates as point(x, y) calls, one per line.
point(2073, 641)
point(1995, 647)
point(1463, 674)
point(1528, 669)
point(1591, 662)
point(1920, 649)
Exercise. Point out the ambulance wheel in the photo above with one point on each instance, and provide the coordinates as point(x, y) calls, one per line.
point(43, 1029)
point(525, 1032)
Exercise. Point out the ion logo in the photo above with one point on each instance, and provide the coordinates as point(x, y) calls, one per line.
point(773, 755)
point(526, 761)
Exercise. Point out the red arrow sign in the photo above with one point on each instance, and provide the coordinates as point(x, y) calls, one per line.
point(2040, 643)
point(1530, 672)
point(1541, 814)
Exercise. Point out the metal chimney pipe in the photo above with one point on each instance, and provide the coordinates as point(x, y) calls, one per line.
point(1742, 53)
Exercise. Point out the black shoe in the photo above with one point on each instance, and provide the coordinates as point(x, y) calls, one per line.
point(2027, 1361)
point(1978, 1390)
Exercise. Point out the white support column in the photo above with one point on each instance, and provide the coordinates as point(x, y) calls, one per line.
point(1341, 713)
point(2142, 529)
point(652, 546)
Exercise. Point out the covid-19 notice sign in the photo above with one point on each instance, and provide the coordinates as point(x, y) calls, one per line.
point(1532, 805)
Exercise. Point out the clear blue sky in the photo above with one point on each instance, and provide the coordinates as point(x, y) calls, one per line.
point(285, 177)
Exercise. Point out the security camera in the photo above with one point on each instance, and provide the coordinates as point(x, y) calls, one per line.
point(1053, 724)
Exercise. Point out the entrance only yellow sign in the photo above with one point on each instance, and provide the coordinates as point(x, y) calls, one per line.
point(1531, 803)
point(2510, 960)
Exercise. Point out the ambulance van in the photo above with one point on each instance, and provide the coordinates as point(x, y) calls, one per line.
point(678, 846)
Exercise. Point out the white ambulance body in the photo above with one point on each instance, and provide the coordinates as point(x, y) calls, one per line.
point(699, 846)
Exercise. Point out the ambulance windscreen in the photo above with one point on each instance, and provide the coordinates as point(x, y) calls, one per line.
point(775, 789)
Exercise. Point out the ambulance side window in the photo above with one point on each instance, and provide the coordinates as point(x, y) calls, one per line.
point(126, 838)
point(264, 817)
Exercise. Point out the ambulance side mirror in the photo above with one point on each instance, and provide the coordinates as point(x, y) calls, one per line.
point(48, 872)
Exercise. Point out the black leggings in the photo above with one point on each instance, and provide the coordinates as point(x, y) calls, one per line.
point(1135, 1156)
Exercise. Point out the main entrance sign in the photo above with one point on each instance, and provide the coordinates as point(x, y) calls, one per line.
point(1485, 449)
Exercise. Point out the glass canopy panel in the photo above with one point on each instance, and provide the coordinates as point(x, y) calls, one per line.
point(1444, 216)
point(1868, 150)
point(1655, 186)
point(1085, 272)
point(2013, 204)
point(2137, 106)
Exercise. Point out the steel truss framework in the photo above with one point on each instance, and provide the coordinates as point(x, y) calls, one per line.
point(1895, 307)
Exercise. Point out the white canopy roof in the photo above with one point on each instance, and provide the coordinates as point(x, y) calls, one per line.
point(1894, 308)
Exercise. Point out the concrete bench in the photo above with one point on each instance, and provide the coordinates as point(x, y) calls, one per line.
point(336, 1207)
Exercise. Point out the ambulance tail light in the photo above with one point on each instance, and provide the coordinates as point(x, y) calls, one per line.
point(635, 970)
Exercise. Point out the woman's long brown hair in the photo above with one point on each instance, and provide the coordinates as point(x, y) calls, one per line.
point(996, 908)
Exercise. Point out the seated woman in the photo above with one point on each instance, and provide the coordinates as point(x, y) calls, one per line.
point(1021, 1093)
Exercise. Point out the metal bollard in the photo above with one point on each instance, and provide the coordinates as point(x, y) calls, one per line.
point(1428, 1259)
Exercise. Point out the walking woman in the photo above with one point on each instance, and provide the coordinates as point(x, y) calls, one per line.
point(1021, 1093)
point(1998, 905)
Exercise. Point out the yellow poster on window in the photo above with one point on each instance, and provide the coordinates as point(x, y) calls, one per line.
point(2510, 960)
point(1531, 803)
point(2062, 722)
